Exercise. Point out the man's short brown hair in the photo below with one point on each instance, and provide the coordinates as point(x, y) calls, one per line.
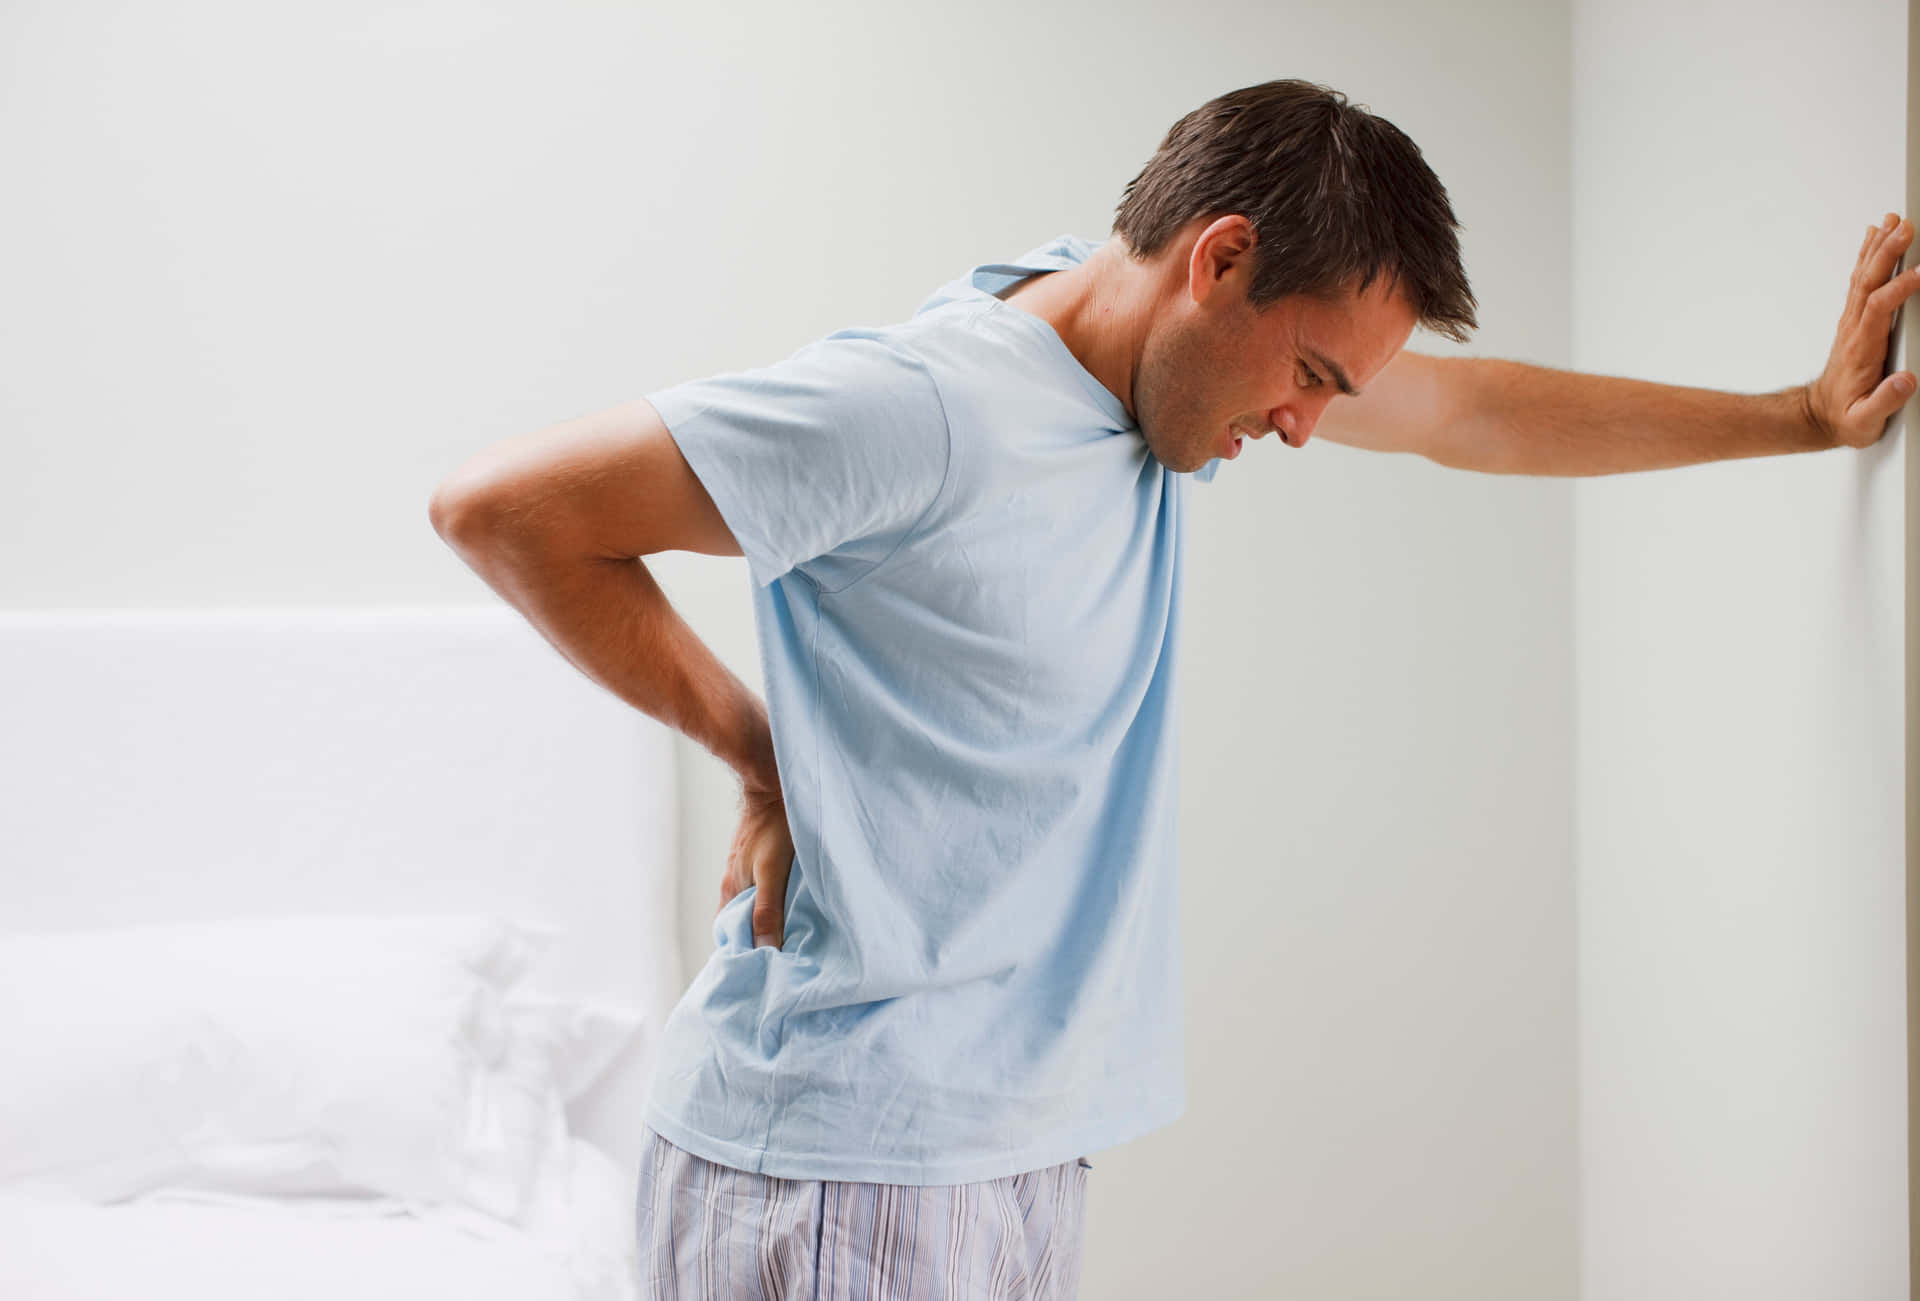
point(1336, 196)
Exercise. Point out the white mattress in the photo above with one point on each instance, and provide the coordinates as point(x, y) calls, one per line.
point(181, 1246)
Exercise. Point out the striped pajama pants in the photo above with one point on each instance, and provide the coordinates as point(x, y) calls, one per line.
point(708, 1232)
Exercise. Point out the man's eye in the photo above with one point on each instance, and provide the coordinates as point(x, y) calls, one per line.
point(1312, 378)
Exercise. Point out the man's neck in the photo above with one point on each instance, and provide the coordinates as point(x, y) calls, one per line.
point(1086, 318)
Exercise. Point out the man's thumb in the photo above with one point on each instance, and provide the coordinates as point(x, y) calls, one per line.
point(1890, 396)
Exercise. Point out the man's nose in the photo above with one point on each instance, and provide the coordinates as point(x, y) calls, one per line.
point(1296, 426)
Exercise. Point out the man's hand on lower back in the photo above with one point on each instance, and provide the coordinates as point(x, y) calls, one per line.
point(761, 856)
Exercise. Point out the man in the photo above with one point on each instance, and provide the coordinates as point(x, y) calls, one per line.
point(946, 963)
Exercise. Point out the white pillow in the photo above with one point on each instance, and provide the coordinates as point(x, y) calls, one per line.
point(574, 1040)
point(291, 1055)
point(556, 1049)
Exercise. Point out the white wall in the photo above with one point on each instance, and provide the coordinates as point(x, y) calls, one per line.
point(1739, 759)
point(272, 273)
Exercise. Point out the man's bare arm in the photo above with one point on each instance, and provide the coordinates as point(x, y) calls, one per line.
point(556, 522)
point(1511, 417)
point(1536, 420)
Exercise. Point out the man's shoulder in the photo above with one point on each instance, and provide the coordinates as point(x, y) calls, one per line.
point(964, 337)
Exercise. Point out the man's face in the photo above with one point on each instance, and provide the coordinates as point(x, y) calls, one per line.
point(1213, 366)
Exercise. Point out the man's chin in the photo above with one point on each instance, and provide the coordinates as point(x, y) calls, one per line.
point(1183, 464)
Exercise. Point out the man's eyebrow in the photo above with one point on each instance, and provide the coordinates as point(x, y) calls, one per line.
point(1339, 376)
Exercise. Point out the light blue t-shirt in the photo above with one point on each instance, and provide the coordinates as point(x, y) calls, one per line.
point(965, 569)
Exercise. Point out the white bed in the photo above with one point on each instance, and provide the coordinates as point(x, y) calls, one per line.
point(236, 769)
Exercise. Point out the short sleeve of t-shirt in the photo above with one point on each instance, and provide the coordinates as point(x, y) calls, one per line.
point(838, 450)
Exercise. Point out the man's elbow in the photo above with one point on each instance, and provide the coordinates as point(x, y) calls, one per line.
point(441, 509)
point(459, 512)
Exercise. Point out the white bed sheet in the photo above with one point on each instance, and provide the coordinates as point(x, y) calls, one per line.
point(174, 1245)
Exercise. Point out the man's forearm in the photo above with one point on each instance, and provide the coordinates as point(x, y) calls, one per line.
point(1527, 419)
point(613, 622)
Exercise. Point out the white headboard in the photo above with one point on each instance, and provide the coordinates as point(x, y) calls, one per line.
point(176, 764)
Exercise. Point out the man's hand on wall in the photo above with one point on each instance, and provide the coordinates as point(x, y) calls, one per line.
point(1851, 403)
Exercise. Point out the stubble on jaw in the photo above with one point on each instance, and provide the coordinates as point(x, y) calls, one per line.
point(1178, 371)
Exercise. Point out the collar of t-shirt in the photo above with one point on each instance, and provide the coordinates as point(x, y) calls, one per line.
point(991, 279)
